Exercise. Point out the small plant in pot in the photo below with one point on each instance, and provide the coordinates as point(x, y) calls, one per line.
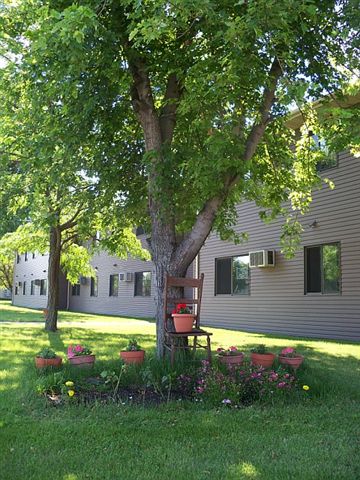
point(133, 353)
point(261, 357)
point(183, 318)
point(289, 356)
point(230, 356)
point(81, 356)
point(47, 358)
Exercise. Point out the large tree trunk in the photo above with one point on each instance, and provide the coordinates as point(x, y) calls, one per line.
point(53, 279)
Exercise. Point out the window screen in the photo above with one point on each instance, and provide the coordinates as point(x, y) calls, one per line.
point(114, 285)
point(142, 284)
point(94, 286)
point(322, 269)
point(223, 276)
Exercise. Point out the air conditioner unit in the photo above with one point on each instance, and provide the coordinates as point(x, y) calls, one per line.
point(122, 276)
point(262, 258)
point(128, 277)
point(83, 280)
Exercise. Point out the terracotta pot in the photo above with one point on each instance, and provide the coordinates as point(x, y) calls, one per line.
point(82, 360)
point(48, 362)
point(294, 362)
point(136, 356)
point(262, 359)
point(183, 322)
point(231, 360)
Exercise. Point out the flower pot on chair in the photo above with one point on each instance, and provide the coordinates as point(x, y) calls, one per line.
point(183, 322)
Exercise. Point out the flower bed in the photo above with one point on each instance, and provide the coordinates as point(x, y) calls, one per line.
point(213, 386)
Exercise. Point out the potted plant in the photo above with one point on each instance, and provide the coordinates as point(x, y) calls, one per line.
point(231, 356)
point(47, 358)
point(288, 356)
point(81, 356)
point(133, 353)
point(183, 318)
point(261, 357)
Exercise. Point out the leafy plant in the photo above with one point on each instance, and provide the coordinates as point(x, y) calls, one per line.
point(46, 353)
point(133, 346)
point(231, 351)
point(181, 308)
point(289, 352)
point(51, 383)
point(260, 349)
point(78, 350)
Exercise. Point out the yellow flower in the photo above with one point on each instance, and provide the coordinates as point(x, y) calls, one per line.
point(306, 387)
point(69, 383)
point(71, 393)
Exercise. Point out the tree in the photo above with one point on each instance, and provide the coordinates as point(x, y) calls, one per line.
point(46, 144)
point(204, 90)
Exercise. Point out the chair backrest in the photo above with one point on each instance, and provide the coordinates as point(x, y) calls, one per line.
point(172, 284)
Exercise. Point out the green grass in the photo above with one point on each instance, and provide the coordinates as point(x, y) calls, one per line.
point(314, 439)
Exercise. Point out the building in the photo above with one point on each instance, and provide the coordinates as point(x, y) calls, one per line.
point(315, 294)
point(121, 287)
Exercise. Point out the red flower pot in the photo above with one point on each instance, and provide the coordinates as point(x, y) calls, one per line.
point(82, 360)
point(262, 359)
point(294, 362)
point(48, 362)
point(183, 322)
point(231, 360)
point(135, 356)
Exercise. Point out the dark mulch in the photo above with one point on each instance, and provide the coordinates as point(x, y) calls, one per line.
point(124, 396)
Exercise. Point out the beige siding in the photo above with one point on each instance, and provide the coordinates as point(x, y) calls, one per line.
point(126, 303)
point(277, 302)
point(32, 269)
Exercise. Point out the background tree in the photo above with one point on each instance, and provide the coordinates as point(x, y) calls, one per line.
point(203, 90)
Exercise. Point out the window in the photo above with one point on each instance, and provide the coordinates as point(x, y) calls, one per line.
point(33, 255)
point(94, 286)
point(322, 269)
point(330, 158)
point(18, 258)
point(142, 284)
point(232, 275)
point(75, 290)
point(43, 286)
point(26, 256)
point(16, 289)
point(32, 287)
point(24, 288)
point(114, 285)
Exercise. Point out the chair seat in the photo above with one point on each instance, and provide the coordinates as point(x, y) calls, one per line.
point(197, 332)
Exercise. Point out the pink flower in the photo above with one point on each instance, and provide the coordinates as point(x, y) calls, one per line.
point(281, 384)
point(233, 349)
point(287, 350)
point(78, 348)
point(219, 349)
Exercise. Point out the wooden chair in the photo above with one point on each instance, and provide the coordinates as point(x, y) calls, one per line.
point(180, 341)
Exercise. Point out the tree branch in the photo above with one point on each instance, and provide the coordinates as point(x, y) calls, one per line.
point(258, 129)
point(190, 245)
point(168, 112)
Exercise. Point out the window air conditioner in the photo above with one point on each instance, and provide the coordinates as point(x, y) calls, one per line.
point(262, 258)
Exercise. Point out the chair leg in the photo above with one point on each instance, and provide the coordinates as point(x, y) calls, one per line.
point(209, 349)
point(172, 354)
point(194, 346)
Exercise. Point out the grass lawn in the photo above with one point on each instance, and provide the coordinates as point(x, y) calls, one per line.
point(318, 438)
